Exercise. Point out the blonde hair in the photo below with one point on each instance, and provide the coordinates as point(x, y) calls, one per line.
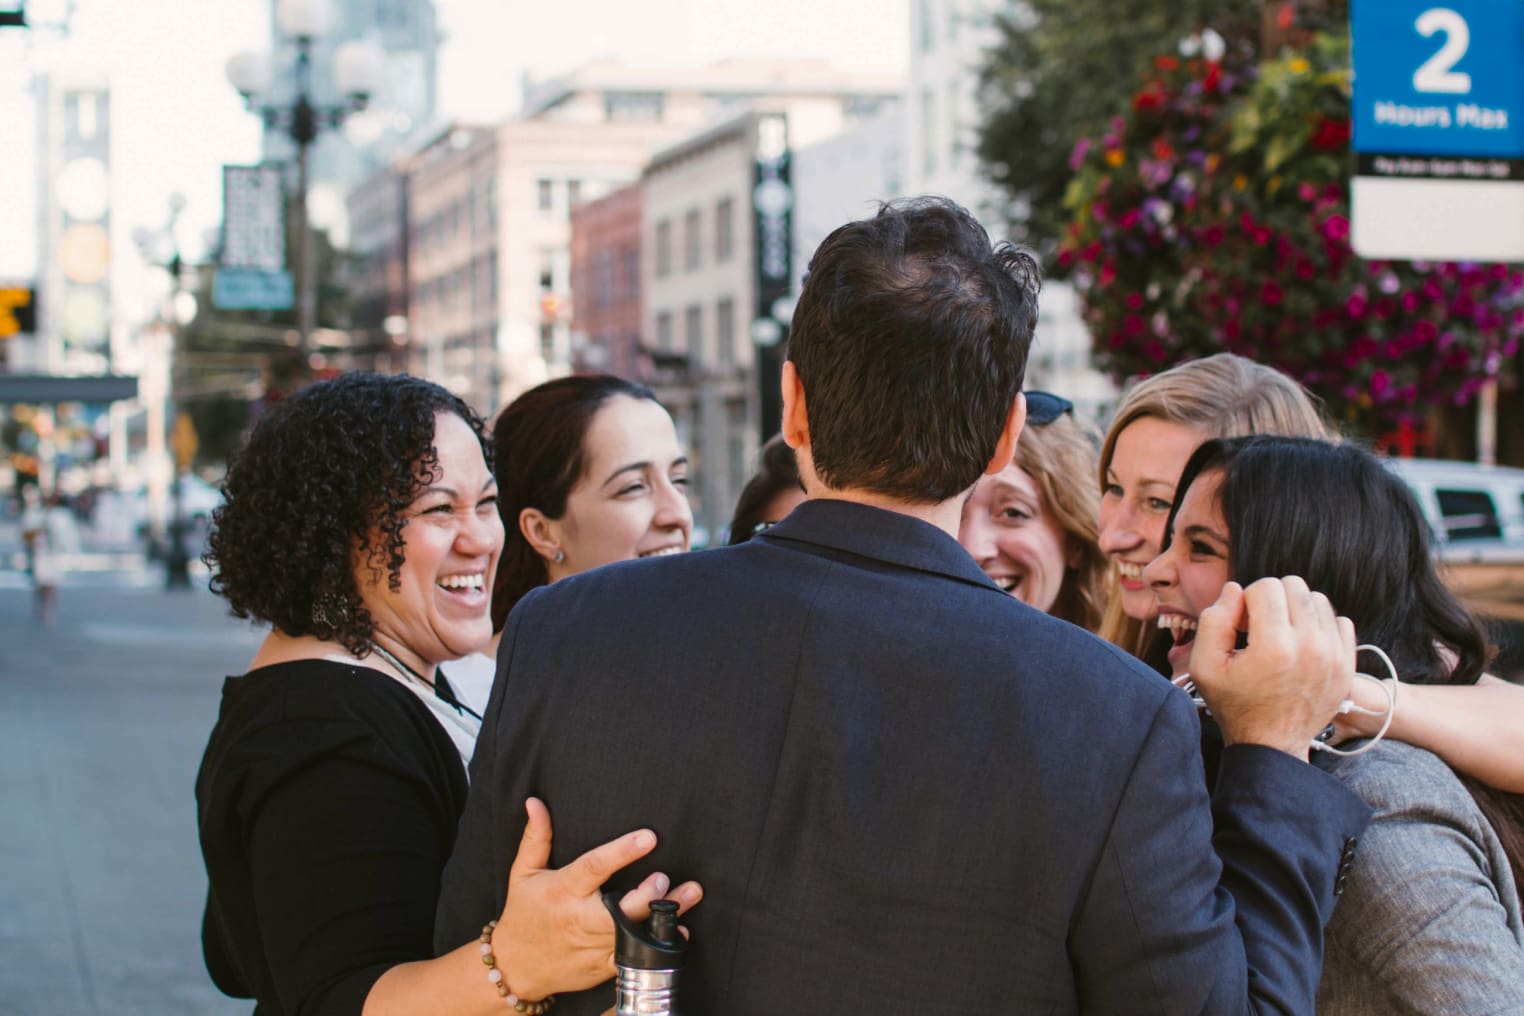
point(1060, 457)
point(1224, 395)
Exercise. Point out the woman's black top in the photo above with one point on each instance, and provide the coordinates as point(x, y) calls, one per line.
point(327, 802)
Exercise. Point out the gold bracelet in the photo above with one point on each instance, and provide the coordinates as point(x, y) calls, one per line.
point(495, 978)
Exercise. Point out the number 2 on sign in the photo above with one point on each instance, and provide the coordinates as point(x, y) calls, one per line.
point(1437, 73)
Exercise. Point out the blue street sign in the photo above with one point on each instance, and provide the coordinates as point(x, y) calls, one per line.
point(1439, 77)
point(251, 289)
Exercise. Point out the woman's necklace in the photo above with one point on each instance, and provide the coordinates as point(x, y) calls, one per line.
point(406, 671)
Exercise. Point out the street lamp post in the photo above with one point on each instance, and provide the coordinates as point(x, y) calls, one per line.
point(357, 69)
point(162, 249)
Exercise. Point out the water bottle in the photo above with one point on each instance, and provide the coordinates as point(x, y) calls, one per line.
point(647, 958)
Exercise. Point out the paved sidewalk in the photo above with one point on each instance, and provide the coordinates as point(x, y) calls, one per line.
point(103, 723)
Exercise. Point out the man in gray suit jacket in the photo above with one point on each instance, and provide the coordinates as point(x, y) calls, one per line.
point(904, 791)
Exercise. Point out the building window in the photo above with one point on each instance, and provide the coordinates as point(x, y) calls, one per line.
point(631, 274)
point(546, 195)
point(604, 281)
point(724, 229)
point(693, 329)
point(664, 331)
point(663, 249)
point(725, 331)
point(736, 425)
point(633, 106)
point(691, 243)
point(573, 193)
point(548, 343)
point(928, 131)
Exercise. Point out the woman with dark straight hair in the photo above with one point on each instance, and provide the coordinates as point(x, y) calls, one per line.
point(589, 472)
point(1429, 920)
point(772, 492)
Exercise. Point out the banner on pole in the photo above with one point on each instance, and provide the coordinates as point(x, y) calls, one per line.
point(253, 218)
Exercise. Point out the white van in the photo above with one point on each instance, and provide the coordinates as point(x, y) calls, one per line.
point(1476, 512)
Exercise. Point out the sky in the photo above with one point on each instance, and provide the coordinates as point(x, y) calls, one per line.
point(176, 120)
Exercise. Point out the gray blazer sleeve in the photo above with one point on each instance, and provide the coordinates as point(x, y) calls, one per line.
point(1429, 921)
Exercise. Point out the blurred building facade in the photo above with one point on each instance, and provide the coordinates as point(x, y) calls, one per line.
point(845, 178)
point(948, 41)
point(605, 272)
point(402, 109)
point(577, 139)
point(698, 275)
point(380, 244)
point(74, 307)
point(452, 259)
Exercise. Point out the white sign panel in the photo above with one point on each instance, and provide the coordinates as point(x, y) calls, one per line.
point(253, 218)
point(1438, 112)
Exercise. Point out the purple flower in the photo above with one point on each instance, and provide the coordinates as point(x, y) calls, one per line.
point(1077, 157)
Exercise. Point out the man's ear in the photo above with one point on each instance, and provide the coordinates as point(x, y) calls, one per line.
point(541, 532)
point(1005, 448)
point(796, 423)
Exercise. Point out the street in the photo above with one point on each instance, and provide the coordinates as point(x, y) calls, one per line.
point(104, 721)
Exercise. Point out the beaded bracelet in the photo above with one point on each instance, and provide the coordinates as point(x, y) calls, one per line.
point(495, 978)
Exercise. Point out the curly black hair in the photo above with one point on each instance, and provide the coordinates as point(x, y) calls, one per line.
point(321, 472)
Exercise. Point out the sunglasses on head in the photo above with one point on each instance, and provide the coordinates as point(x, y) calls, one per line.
point(1045, 407)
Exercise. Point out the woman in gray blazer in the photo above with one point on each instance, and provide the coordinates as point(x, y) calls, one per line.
point(1429, 918)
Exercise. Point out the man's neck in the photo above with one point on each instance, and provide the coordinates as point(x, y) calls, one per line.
point(945, 515)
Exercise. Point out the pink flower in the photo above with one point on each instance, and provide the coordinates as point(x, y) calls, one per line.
point(1077, 156)
point(1270, 293)
point(1356, 306)
point(1336, 227)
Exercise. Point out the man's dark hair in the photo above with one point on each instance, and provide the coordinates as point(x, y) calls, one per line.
point(324, 471)
point(910, 339)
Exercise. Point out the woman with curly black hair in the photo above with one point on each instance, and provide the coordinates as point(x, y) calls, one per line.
point(361, 524)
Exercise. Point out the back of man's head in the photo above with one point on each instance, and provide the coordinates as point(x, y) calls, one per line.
point(910, 340)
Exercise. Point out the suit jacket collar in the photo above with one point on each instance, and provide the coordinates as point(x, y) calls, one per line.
point(879, 534)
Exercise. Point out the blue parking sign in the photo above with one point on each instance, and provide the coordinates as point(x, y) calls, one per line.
point(1439, 77)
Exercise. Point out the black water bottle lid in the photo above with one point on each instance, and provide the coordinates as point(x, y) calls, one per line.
point(655, 945)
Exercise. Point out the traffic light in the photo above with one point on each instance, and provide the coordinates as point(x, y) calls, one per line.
point(18, 311)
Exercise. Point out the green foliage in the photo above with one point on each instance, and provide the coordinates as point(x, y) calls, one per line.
point(1061, 71)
